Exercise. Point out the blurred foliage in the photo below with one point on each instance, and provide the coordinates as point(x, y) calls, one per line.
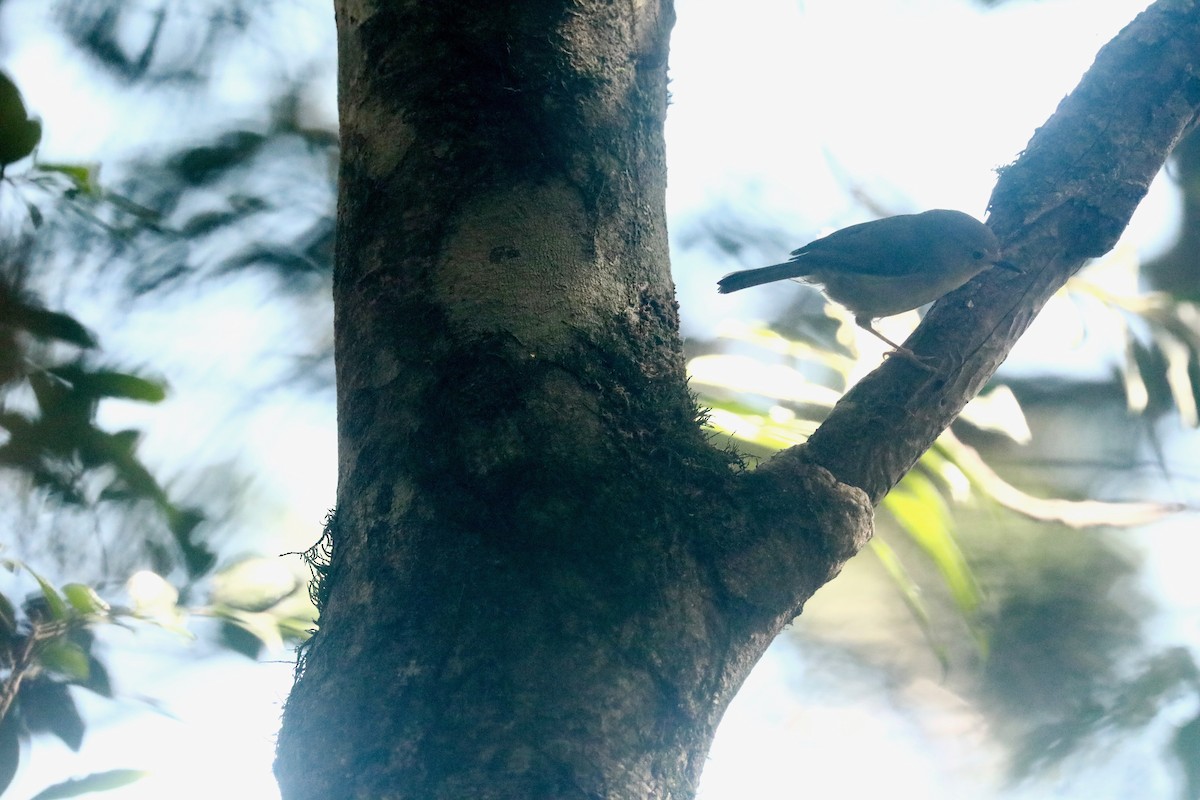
point(52, 384)
point(1177, 271)
point(50, 390)
point(1135, 703)
point(178, 41)
point(1064, 617)
point(269, 209)
point(250, 201)
point(1187, 749)
point(769, 406)
point(96, 782)
point(229, 203)
point(1161, 367)
point(1056, 635)
point(46, 647)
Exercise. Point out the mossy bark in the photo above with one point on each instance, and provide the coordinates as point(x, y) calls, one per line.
point(544, 581)
point(523, 598)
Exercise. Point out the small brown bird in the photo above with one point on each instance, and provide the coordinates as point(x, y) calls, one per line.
point(895, 264)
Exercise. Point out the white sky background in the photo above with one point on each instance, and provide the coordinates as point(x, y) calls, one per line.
point(777, 106)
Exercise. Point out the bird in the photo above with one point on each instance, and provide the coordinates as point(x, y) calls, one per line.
point(887, 266)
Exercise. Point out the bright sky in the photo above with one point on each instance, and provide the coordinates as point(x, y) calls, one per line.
point(777, 105)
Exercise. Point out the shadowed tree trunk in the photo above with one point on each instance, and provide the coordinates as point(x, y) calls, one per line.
point(544, 582)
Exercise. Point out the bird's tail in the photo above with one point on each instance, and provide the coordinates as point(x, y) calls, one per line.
point(746, 278)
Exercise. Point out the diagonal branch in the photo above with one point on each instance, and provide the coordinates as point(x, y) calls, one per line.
point(1066, 199)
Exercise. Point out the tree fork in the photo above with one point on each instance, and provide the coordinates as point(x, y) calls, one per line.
point(544, 582)
point(524, 597)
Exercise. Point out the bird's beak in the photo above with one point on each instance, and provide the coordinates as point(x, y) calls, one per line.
point(1008, 265)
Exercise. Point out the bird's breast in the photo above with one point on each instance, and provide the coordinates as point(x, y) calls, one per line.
point(882, 296)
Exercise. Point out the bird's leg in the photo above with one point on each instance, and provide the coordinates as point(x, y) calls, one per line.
point(897, 349)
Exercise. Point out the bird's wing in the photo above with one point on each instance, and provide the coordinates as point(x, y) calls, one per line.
point(868, 248)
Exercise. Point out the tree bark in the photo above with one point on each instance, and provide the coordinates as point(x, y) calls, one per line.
point(544, 582)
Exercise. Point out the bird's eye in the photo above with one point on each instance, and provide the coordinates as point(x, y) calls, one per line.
point(977, 255)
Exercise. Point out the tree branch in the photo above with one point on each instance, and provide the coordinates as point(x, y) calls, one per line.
point(1066, 199)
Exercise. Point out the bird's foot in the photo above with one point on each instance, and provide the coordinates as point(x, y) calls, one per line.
point(910, 356)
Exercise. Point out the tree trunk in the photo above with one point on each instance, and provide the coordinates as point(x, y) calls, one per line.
point(544, 582)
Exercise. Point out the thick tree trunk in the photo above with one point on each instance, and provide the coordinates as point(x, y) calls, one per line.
point(520, 602)
point(544, 582)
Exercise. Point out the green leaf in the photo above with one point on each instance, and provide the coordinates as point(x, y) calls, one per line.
point(10, 750)
point(205, 164)
point(49, 390)
point(1178, 357)
point(35, 214)
point(253, 584)
point(54, 602)
point(1074, 513)
point(910, 590)
point(46, 706)
point(183, 522)
point(52, 325)
point(999, 410)
point(1137, 396)
point(65, 658)
point(20, 140)
point(248, 632)
point(130, 387)
point(12, 106)
point(85, 177)
point(97, 679)
point(8, 617)
point(110, 383)
point(921, 511)
point(206, 223)
point(96, 782)
point(84, 599)
point(18, 133)
point(240, 639)
point(125, 441)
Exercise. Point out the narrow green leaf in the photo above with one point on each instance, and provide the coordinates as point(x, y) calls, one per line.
point(202, 165)
point(110, 383)
point(96, 782)
point(84, 599)
point(910, 590)
point(1137, 396)
point(84, 176)
point(261, 627)
point(207, 223)
point(240, 639)
point(35, 214)
point(8, 617)
point(49, 325)
point(1178, 356)
point(921, 511)
point(1074, 513)
point(999, 411)
point(58, 609)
